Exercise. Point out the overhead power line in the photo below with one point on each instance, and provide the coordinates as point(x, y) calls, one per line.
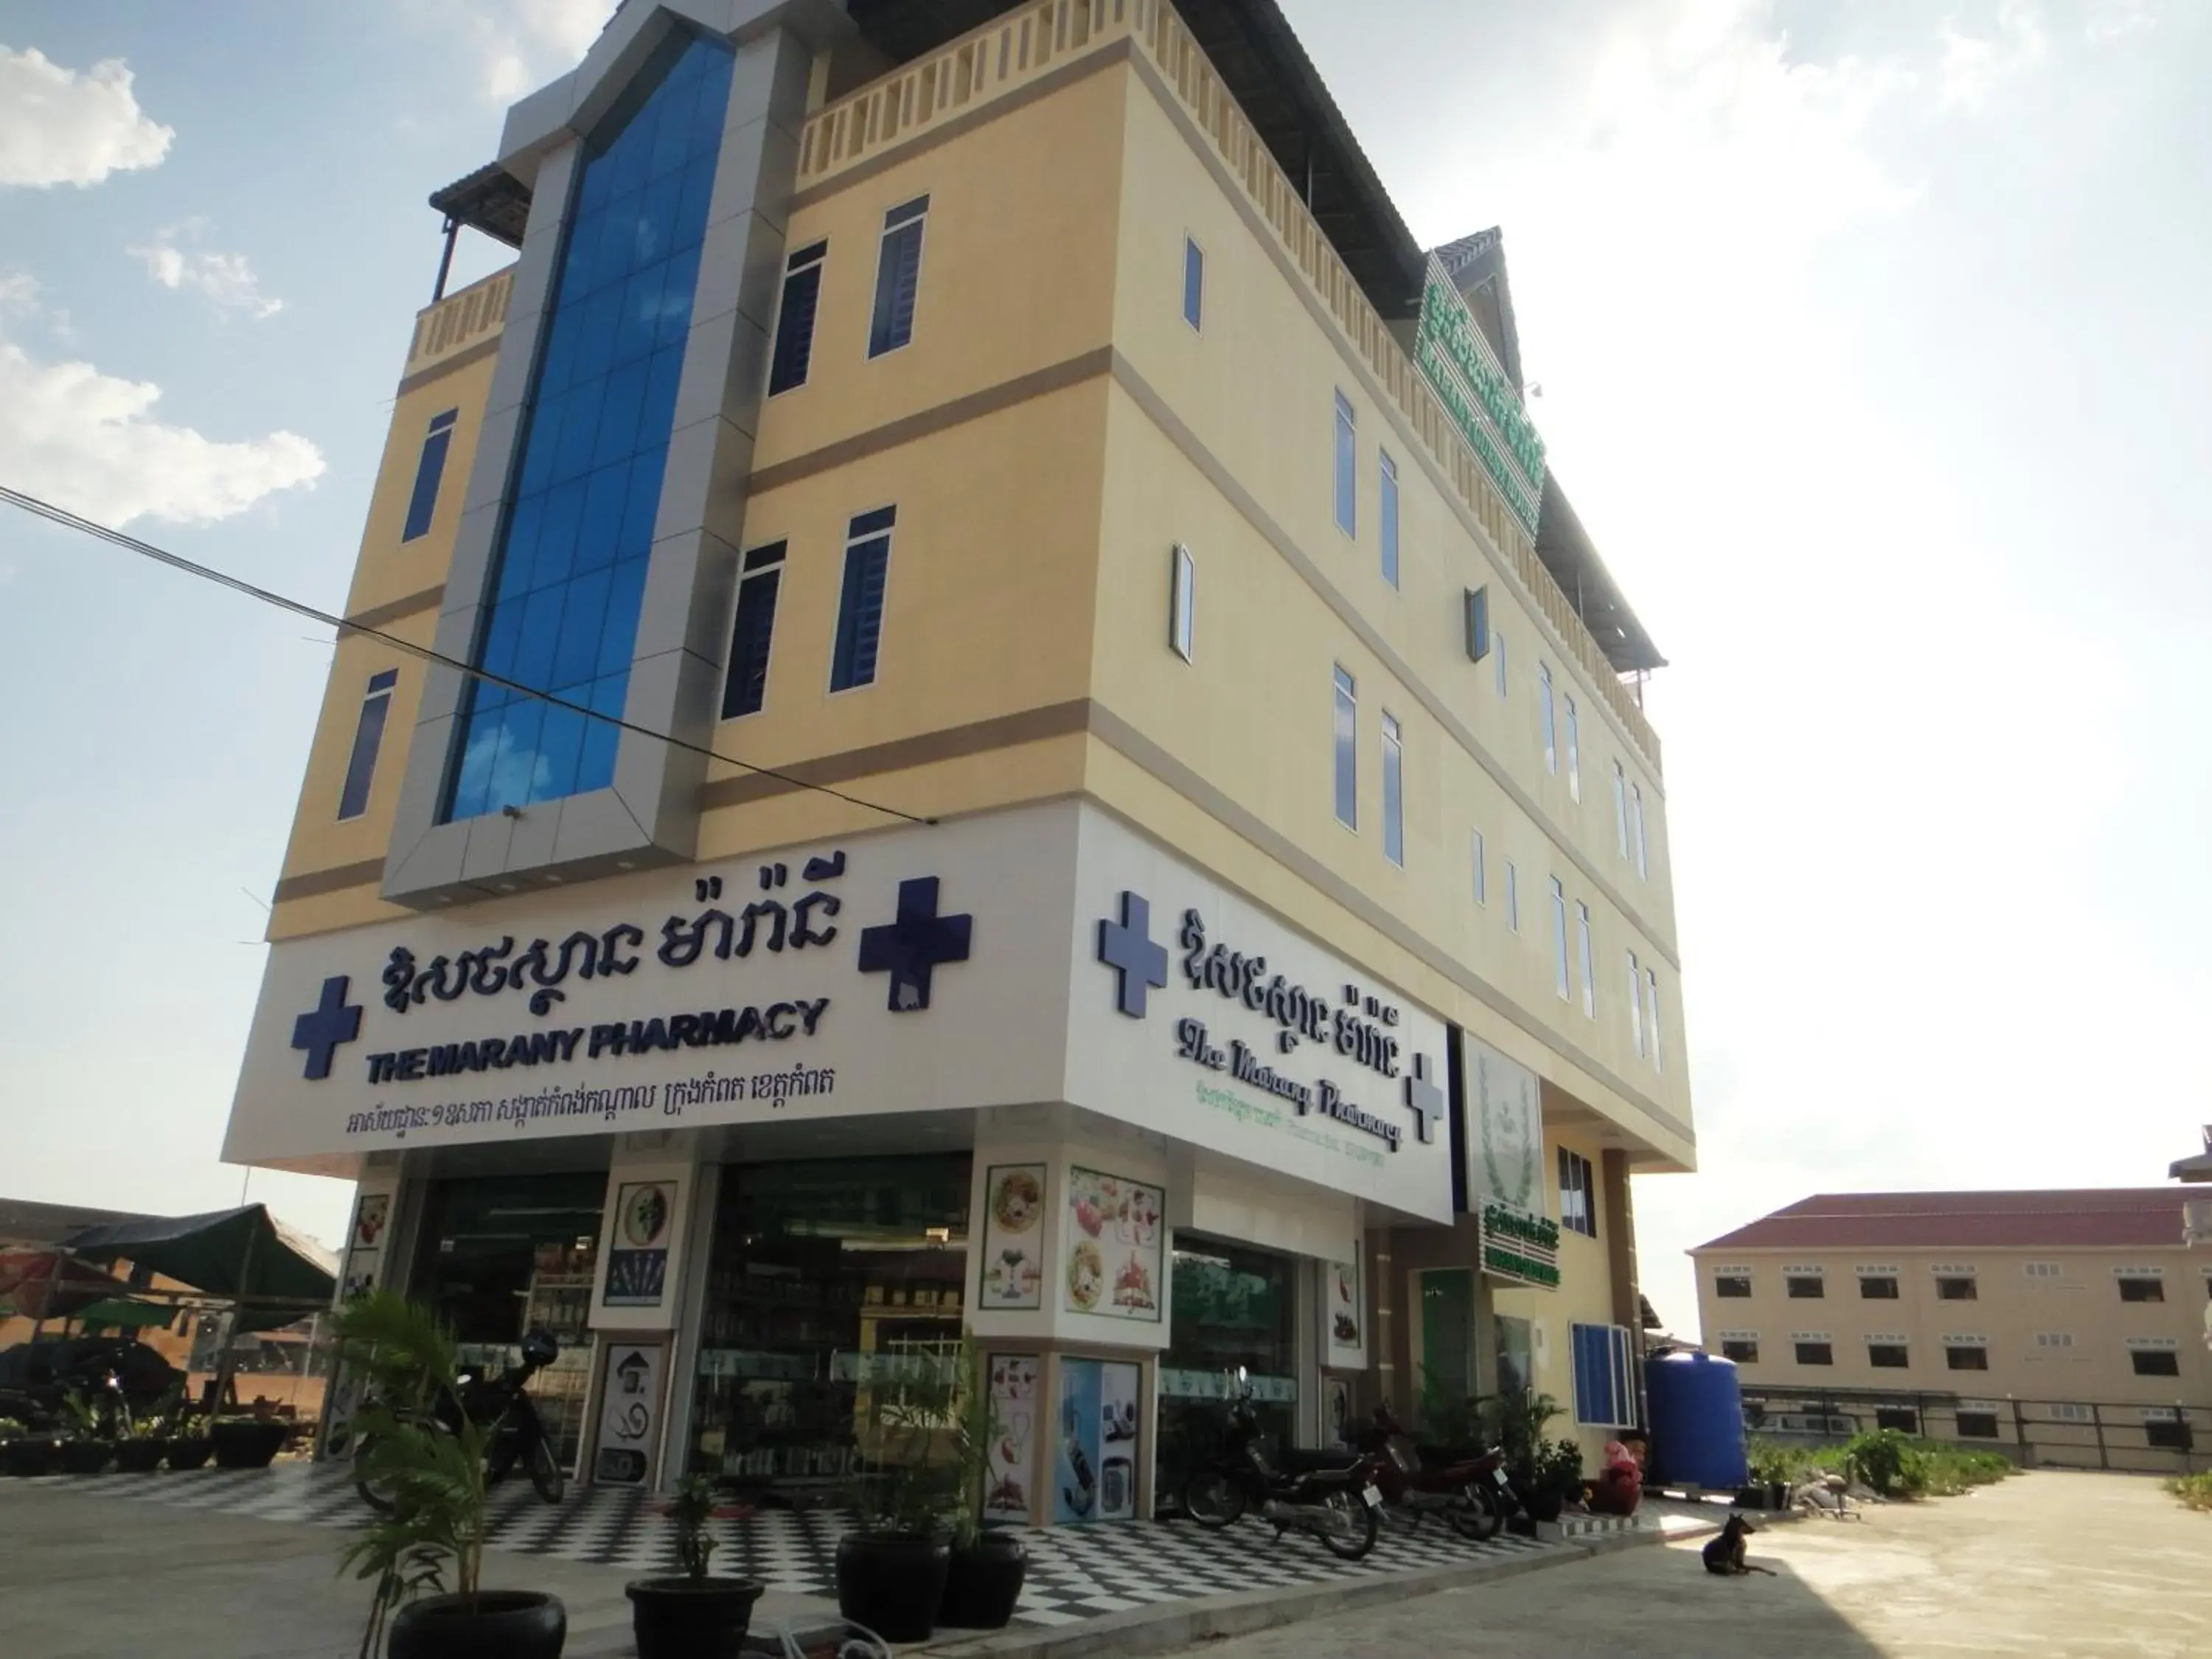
point(63, 516)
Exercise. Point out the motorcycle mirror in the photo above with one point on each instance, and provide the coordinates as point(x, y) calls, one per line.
point(1242, 1376)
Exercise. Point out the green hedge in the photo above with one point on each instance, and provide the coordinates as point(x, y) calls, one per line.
point(2195, 1491)
point(1891, 1462)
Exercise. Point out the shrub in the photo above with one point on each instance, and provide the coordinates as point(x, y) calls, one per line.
point(2195, 1491)
point(1885, 1461)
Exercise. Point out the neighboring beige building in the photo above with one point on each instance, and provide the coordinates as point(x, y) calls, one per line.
point(2068, 1326)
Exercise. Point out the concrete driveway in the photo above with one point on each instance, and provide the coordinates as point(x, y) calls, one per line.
point(2048, 1564)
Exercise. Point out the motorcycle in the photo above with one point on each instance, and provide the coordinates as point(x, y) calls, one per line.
point(501, 1405)
point(1332, 1495)
point(1472, 1494)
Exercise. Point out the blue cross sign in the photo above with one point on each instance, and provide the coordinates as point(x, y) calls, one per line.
point(918, 940)
point(1423, 1099)
point(325, 1026)
point(1126, 947)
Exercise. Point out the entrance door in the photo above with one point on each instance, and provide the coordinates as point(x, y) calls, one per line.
point(1447, 1360)
point(1233, 1306)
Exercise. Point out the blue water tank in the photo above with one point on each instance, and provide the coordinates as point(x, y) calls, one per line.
point(1697, 1421)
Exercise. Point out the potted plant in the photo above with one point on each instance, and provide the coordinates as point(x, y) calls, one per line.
point(85, 1447)
point(242, 1441)
point(1769, 1479)
point(1515, 1422)
point(23, 1453)
point(434, 1533)
point(891, 1569)
point(1452, 1426)
point(693, 1617)
point(140, 1451)
point(189, 1445)
point(989, 1565)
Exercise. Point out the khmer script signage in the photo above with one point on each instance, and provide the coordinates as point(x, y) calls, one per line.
point(1478, 395)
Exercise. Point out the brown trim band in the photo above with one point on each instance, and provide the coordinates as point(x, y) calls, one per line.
point(314, 882)
point(407, 605)
point(1044, 86)
point(1038, 383)
point(1058, 719)
point(461, 359)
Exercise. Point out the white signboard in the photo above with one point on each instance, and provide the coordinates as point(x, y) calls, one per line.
point(1198, 1014)
point(629, 1413)
point(1504, 1130)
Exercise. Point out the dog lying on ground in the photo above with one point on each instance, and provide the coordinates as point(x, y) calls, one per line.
point(1724, 1555)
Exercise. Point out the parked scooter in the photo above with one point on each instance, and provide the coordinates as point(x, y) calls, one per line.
point(501, 1404)
point(1333, 1496)
point(1472, 1494)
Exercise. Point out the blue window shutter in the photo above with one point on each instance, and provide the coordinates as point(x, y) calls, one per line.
point(747, 689)
point(898, 285)
point(860, 613)
point(429, 472)
point(368, 739)
point(795, 329)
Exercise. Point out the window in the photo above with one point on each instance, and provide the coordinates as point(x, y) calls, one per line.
point(1574, 751)
point(1560, 938)
point(1512, 896)
point(860, 606)
point(1903, 1418)
point(429, 471)
point(1547, 717)
point(1605, 1376)
point(1636, 822)
point(898, 278)
point(2041, 1269)
point(1651, 1015)
point(2155, 1362)
point(1194, 281)
point(1744, 1350)
point(568, 579)
point(1877, 1287)
point(1347, 750)
point(2054, 1339)
point(1636, 1005)
point(1347, 469)
point(1815, 1353)
point(1620, 807)
point(1887, 1356)
point(2142, 1290)
point(1732, 1285)
point(368, 739)
point(1965, 1357)
point(1805, 1287)
point(1582, 951)
point(1477, 616)
point(1393, 792)
point(2167, 1434)
point(1578, 1194)
point(1182, 603)
point(794, 318)
point(1481, 871)
point(746, 689)
point(1977, 1425)
point(1954, 1288)
point(1387, 515)
point(1504, 681)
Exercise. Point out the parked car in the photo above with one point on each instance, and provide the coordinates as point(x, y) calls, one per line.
point(35, 1376)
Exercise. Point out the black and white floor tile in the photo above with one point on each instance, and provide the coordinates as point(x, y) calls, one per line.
point(1075, 1573)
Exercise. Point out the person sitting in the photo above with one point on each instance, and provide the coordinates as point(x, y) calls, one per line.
point(1619, 1487)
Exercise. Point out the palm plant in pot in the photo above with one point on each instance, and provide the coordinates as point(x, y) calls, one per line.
point(892, 1570)
point(693, 1616)
point(24, 1453)
point(989, 1564)
point(1517, 1421)
point(141, 1450)
point(87, 1445)
point(426, 1552)
point(190, 1446)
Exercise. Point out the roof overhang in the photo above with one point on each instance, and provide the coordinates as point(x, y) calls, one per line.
point(1569, 553)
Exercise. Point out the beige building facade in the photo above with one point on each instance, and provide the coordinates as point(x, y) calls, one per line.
point(2067, 1326)
point(1037, 604)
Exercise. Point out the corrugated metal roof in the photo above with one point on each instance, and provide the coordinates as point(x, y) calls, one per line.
point(2093, 1217)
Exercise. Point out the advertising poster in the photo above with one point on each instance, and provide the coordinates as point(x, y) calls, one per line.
point(1013, 1236)
point(1117, 1440)
point(629, 1413)
point(1344, 1346)
point(1075, 1445)
point(1013, 1436)
point(370, 1219)
point(637, 1265)
point(1115, 1227)
point(1506, 1138)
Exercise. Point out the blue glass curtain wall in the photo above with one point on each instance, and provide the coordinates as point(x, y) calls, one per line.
point(569, 572)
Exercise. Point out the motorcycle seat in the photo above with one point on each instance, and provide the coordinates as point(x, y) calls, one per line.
point(1300, 1459)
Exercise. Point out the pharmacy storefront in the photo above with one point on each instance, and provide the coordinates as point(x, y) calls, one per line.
point(749, 1137)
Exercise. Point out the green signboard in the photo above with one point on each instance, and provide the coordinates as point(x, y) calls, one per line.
point(1472, 386)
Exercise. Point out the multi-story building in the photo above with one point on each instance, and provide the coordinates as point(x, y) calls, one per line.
point(967, 719)
point(2066, 1326)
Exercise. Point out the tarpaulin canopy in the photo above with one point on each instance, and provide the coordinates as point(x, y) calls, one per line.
point(244, 1255)
point(48, 1285)
point(119, 1313)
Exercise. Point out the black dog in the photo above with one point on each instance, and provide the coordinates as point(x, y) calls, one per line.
point(1724, 1554)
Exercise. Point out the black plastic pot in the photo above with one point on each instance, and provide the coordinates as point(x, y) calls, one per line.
point(892, 1582)
point(984, 1582)
point(247, 1442)
point(190, 1451)
point(1777, 1495)
point(140, 1456)
point(29, 1457)
point(691, 1617)
point(1544, 1503)
point(85, 1456)
point(1751, 1498)
point(489, 1625)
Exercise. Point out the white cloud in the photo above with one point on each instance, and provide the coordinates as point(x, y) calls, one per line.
point(522, 43)
point(19, 294)
point(90, 442)
point(2115, 19)
point(58, 126)
point(1973, 67)
point(225, 278)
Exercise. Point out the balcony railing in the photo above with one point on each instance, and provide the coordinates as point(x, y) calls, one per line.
point(998, 60)
point(459, 320)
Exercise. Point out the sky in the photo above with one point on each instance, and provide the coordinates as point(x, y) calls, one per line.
point(1870, 340)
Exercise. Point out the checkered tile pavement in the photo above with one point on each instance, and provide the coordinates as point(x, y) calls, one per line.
point(1075, 1573)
